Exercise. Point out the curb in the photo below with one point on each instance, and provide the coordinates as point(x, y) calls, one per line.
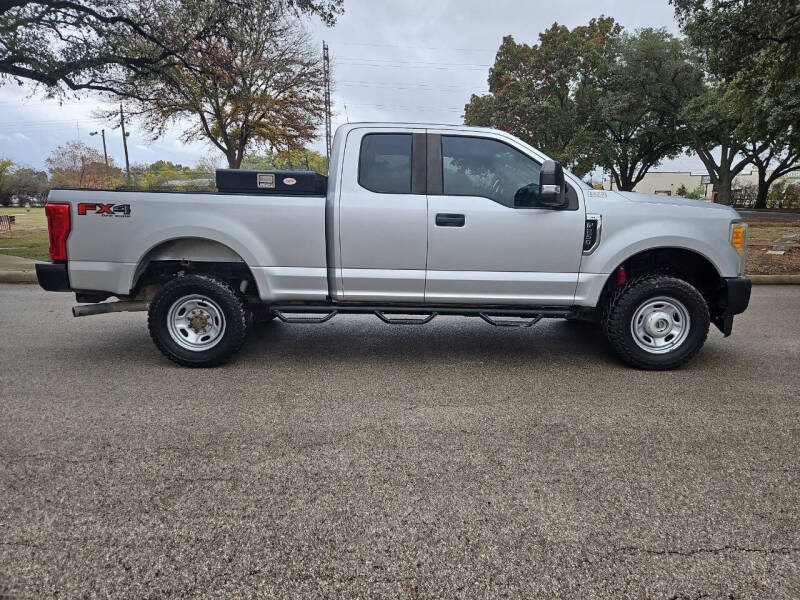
point(18, 277)
point(775, 279)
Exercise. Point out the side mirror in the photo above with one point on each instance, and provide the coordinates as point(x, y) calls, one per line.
point(551, 186)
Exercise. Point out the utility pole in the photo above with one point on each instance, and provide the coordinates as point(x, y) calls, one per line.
point(105, 154)
point(326, 65)
point(125, 144)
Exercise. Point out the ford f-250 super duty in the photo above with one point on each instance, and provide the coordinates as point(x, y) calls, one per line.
point(414, 221)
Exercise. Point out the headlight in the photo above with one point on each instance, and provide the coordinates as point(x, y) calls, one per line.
point(739, 241)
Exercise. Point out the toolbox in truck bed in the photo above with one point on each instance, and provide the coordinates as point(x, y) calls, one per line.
point(283, 183)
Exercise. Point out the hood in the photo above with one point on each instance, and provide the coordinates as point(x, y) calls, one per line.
point(674, 201)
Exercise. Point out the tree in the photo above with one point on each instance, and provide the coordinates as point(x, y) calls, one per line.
point(86, 44)
point(532, 90)
point(256, 82)
point(779, 158)
point(750, 51)
point(6, 168)
point(76, 165)
point(713, 125)
point(628, 100)
point(21, 182)
point(301, 159)
point(27, 183)
point(746, 38)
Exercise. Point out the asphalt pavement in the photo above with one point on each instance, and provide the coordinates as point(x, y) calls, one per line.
point(355, 460)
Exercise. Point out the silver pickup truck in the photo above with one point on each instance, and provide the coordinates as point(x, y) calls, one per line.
point(414, 221)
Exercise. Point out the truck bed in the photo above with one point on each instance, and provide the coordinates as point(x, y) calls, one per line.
point(114, 233)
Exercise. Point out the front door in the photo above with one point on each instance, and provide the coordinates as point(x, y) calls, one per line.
point(483, 248)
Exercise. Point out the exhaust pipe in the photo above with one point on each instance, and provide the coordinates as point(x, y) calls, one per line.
point(102, 308)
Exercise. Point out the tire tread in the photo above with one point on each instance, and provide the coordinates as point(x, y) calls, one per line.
point(236, 332)
point(617, 327)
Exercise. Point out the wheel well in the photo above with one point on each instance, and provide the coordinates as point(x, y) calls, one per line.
point(191, 255)
point(684, 264)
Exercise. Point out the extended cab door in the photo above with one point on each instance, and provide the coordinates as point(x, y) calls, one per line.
point(483, 248)
point(382, 228)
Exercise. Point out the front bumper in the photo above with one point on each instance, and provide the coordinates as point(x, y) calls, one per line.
point(734, 299)
point(53, 277)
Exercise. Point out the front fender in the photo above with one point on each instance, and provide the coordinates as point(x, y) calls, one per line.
point(619, 242)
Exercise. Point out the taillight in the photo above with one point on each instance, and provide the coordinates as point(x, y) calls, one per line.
point(58, 226)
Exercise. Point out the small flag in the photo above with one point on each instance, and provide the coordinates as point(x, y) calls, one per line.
point(5, 223)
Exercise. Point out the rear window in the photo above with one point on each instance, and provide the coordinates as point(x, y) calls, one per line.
point(385, 163)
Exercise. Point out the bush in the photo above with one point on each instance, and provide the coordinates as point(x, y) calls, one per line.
point(696, 194)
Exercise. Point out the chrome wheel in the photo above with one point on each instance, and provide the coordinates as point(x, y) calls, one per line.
point(196, 322)
point(660, 325)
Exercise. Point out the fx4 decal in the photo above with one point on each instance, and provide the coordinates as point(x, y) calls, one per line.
point(107, 210)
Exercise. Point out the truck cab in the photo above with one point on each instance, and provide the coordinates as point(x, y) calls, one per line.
point(448, 215)
point(415, 220)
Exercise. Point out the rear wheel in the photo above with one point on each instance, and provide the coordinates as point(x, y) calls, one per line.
point(198, 321)
point(657, 322)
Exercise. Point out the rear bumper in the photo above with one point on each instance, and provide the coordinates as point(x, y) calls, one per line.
point(735, 298)
point(53, 277)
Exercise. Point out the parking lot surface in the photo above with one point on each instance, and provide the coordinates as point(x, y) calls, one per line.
point(356, 459)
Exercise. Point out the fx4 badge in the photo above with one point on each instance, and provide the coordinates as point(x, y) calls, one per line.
point(107, 210)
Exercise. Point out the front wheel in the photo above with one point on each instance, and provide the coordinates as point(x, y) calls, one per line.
point(657, 322)
point(198, 321)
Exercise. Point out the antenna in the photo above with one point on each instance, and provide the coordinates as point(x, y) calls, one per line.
point(326, 65)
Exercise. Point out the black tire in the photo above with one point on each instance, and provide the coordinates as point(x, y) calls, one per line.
point(226, 303)
point(628, 299)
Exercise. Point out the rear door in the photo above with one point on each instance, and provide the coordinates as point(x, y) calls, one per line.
point(383, 216)
point(483, 247)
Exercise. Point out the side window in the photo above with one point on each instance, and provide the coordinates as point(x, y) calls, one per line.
point(484, 167)
point(384, 165)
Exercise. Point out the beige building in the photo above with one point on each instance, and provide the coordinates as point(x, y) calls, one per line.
point(667, 183)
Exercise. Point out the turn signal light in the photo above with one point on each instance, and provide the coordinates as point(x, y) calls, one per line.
point(739, 241)
point(58, 227)
point(738, 236)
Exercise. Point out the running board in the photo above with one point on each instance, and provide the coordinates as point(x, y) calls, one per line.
point(507, 323)
point(528, 316)
point(386, 319)
point(304, 320)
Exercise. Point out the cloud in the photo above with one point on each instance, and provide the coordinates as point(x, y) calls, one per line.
point(22, 136)
point(389, 64)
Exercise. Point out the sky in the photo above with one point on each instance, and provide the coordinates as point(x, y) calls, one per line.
point(401, 60)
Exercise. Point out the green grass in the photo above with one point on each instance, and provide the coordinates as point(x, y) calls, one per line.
point(28, 236)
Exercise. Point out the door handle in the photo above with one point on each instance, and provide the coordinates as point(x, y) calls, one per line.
point(449, 220)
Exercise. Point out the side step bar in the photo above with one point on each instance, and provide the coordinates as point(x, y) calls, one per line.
point(304, 320)
point(422, 321)
point(507, 323)
point(528, 316)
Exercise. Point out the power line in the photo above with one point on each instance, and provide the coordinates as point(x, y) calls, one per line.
point(411, 86)
point(50, 121)
point(409, 62)
point(410, 107)
point(418, 47)
point(413, 67)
